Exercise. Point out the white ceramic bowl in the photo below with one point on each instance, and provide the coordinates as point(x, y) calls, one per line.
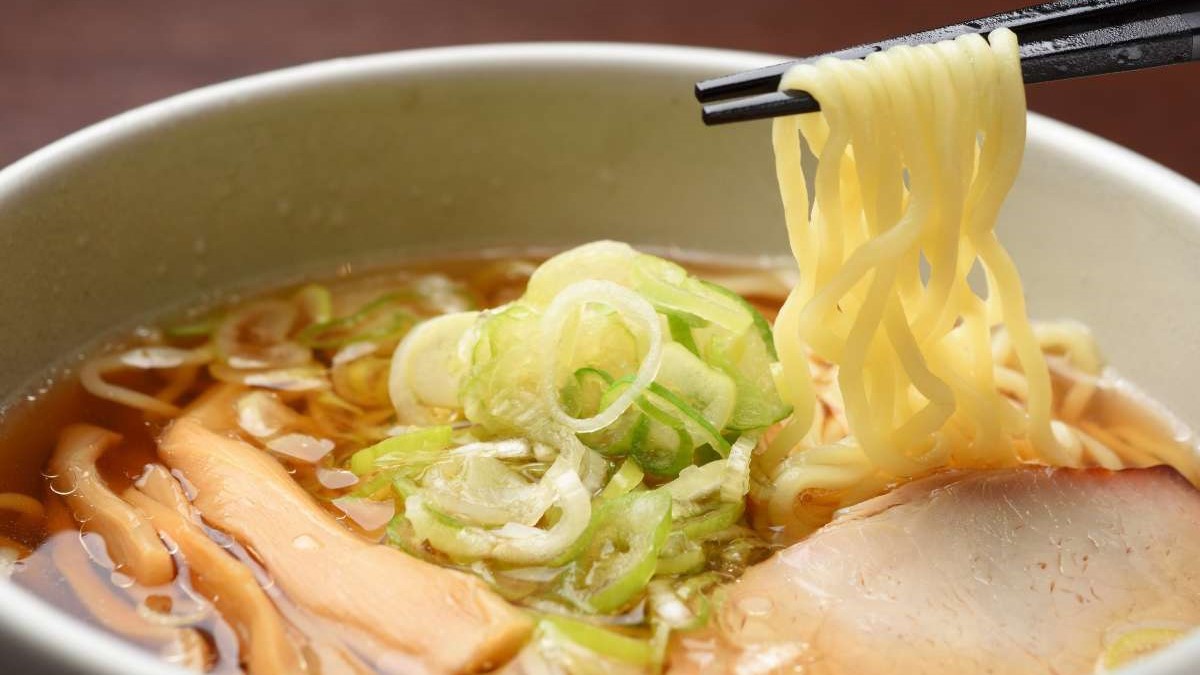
point(547, 144)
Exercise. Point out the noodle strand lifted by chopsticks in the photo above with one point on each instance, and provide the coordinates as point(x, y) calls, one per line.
point(917, 148)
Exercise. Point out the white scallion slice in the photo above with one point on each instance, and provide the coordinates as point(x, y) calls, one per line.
point(537, 547)
point(735, 478)
point(427, 367)
point(631, 306)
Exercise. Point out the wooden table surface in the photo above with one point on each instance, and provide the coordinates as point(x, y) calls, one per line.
point(65, 64)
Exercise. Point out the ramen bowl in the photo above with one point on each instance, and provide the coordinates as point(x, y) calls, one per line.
point(417, 154)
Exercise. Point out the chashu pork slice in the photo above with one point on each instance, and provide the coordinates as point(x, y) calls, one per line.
point(406, 615)
point(1027, 570)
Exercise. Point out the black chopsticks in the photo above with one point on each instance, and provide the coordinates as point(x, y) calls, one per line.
point(1058, 40)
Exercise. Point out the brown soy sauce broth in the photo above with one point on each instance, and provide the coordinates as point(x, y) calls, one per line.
point(54, 547)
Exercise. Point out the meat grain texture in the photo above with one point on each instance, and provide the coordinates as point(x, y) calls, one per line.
point(1009, 571)
point(412, 616)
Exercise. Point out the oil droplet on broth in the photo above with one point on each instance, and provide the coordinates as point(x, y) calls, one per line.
point(60, 487)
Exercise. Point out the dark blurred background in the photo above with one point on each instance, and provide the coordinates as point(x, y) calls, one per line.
point(67, 63)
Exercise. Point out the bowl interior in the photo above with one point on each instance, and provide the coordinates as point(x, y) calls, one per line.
point(416, 153)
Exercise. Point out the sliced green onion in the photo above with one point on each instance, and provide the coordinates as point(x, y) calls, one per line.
point(597, 337)
point(486, 491)
point(363, 325)
point(623, 436)
point(680, 556)
point(605, 260)
point(709, 433)
point(758, 402)
point(255, 336)
point(372, 487)
point(694, 485)
point(681, 332)
point(624, 480)
point(395, 328)
point(747, 356)
point(500, 389)
point(667, 447)
point(363, 381)
point(707, 391)
point(553, 321)
point(670, 287)
point(625, 537)
point(761, 327)
point(712, 521)
point(599, 640)
point(427, 367)
point(393, 450)
point(404, 487)
point(316, 302)
point(735, 479)
point(584, 393)
point(513, 543)
point(667, 430)
point(400, 533)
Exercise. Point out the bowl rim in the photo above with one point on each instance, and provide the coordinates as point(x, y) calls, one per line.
point(39, 626)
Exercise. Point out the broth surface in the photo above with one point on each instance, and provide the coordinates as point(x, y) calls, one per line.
point(65, 564)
